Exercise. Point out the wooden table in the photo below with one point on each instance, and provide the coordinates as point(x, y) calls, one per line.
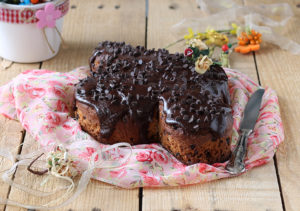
point(274, 186)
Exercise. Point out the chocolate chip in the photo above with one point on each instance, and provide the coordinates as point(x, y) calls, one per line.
point(136, 54)
point(109, 96)
point(176, 107)
point(170, 100)
point(185, 66)
point(188, 101)
point(141, 82)
point(206, 119)
point(185, 117)
point(193, 105)
point(178, 118)
point(192, 146)
point(183, 111)
point(191, 119)
point(140, 76)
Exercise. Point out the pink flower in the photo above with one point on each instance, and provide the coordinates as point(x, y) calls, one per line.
point(57, 91)
point(18, 112)
point(67, 127)
point(119, 173)
point(36, 92)
point(55, 83)
point(24, 88)
point(11, 99)
point(41, 72)
point(61, 106)
point(179, 166)
point(89, 153)
point(52, 119)
point(27, 71)
point(6, 116)
point(142, 171)
point(46, 129)
point(48, 16)
point(202, 167)
point(36, 72)
point(151, 180)
point(160, 157)
point(144, 156)
point(26, 126)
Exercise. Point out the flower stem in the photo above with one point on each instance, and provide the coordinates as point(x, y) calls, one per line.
point(180, 40)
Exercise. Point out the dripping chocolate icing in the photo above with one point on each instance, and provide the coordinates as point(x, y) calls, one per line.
point(127, 81)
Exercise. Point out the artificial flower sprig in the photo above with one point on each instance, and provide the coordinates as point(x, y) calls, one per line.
point(248, 41)
point(201, 46)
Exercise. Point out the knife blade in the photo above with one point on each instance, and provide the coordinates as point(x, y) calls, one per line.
point(236, 163)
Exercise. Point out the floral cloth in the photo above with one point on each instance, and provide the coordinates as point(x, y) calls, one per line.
point(42, 101)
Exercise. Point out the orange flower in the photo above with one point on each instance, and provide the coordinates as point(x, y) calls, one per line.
point(248, 42)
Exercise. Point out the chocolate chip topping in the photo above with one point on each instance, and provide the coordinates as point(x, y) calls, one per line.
point(132, 81)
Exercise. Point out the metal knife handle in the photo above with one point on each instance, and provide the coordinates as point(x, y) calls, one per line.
point(236, 163)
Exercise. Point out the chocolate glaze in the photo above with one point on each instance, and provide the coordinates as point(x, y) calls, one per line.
point(132, 81)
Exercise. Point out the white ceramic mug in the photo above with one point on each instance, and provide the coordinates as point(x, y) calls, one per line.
point(25, 42)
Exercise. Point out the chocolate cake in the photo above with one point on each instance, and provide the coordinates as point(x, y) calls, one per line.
point(143, 96)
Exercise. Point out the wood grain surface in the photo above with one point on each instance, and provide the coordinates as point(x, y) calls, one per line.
point(86, 24)
point(91, 21)
point(11, 132)
point(279, 70)
point(257, 189)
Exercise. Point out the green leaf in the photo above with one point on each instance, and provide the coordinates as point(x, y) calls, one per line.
point(196, 52)
point(204, 52)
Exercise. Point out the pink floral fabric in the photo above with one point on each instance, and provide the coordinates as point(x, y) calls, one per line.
point(42, 101)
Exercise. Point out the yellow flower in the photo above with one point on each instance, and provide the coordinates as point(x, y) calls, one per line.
point(200, 36)
point(210, 31)
point(190, 35)
point(202, 64)
point(215, 38)
point(234, 29)
point(197, 43)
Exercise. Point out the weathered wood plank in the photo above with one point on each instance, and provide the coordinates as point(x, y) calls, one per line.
point(10, 138)
point(280, 70)
point(10, 130)
point(255, 190)
point(88, 23)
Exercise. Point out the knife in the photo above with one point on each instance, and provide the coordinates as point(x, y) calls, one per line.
point(236, 163)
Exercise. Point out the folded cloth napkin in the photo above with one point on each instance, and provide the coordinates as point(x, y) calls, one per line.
point(43, 101)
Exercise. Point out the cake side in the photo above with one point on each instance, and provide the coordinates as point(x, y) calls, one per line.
point(125, 130)
point(191, 149)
